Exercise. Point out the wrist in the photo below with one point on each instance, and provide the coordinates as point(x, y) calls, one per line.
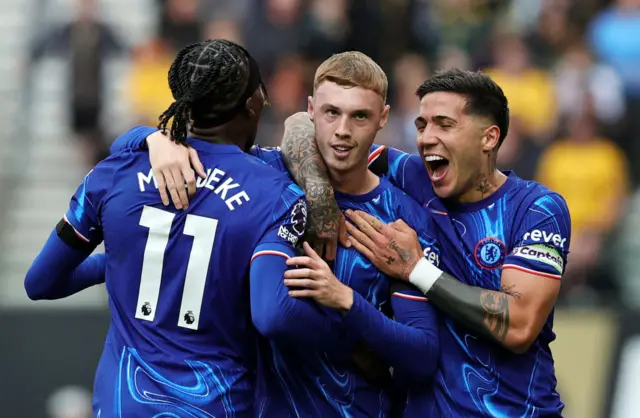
point(346, 300)
point(424, 275)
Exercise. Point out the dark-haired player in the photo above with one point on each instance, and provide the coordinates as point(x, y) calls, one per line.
point(348, 108)
point(181, 341)
point(504, 241)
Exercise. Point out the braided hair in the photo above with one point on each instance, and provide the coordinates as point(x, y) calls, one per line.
point(206, 80)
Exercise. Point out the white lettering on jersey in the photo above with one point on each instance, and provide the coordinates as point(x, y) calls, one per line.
point(540, 253)
point(432, 256)
point(547, 237)
point(211, 183)
point(142, 180)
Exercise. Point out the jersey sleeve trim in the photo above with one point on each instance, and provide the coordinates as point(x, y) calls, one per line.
point(79, 235)
point(269, 252)
point(531, 271)
point(410, 297)
point(375, 154)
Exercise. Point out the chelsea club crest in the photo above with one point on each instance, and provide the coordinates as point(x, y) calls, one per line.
point(490, 253)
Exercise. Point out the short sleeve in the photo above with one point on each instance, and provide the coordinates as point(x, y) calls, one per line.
point(405, 171)
point(288, 226)
point(271, 156)
point(542, 240)
point(132, 140)
point(83, 214)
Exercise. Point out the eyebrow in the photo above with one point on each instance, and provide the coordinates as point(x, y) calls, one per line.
point(442, 118)
point(328, 106)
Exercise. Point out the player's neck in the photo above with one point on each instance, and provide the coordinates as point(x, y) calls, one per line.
point(356, 182)
point(219, 135)
point(485, 186)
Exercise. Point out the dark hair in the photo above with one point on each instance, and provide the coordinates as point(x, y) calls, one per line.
point(484, 97)
point(206, 79)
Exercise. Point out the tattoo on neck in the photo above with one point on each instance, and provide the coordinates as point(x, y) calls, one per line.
point(483, 185)
point(496, 313)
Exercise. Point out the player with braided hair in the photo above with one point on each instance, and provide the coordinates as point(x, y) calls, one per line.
point(181, 341)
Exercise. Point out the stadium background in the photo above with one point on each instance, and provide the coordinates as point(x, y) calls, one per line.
point(570, 68)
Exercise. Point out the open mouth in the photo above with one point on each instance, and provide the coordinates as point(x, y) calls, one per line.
point(437, 166)
point(342, 150)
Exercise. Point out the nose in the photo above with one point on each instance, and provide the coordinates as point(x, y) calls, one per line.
point(427, 138)
point(343, 130)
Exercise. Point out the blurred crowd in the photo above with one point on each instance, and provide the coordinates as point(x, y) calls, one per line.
point(570, 69)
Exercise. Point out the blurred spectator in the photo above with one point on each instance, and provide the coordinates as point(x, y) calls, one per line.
point(272, 31)
point(148, 86)
point(287, 95)
point(590, 172)
point(576, 75)
point(518, 152)
point(614, 34)
point(453, 57)
point(530, 90)
point(463, 23)
point(180, 23)
point(408, 73)
point(624, 256)
point(225, 29)
point(69, 402)
point(325, 29)
point(87, 42)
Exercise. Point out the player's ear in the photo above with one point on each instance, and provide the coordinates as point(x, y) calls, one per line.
point(385, 116)
point(249, 107)
point(491, 138)
point(310, 106)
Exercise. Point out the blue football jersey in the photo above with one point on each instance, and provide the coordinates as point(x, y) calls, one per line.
point(522, 226)
point(324, 385)
point(181, 341)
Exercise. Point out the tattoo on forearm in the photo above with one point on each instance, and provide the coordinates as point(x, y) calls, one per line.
point(302, 158)
point(496, 313)
point(484, 311)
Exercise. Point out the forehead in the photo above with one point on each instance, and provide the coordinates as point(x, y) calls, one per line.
point(346, 98)
point(442, 104)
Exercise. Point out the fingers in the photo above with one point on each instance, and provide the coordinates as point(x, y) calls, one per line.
point(302, 261)
point(311, 252)
point(162, 188)
point(362, 223)
point(343, 237)
point(360, 237)
point(360, 247)
point(303, 293)
point(400, 225)
point(295, 274)
point(305, 283)
point(194, 159)
point(190, 180)
point(178, 192)
point(376, 223)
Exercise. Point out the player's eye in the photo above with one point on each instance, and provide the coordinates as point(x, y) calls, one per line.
point(332, 112)
point(361, 116)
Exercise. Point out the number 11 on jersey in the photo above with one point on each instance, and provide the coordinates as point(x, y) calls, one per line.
point(203, 231)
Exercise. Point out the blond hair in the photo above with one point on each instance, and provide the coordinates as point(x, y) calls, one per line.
point(353, 69)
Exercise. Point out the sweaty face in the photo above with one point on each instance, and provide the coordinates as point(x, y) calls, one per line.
point(346, 121)
point(450, 143)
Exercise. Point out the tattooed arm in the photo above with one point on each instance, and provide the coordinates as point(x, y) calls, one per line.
point(513, 316)
point(302, 158)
